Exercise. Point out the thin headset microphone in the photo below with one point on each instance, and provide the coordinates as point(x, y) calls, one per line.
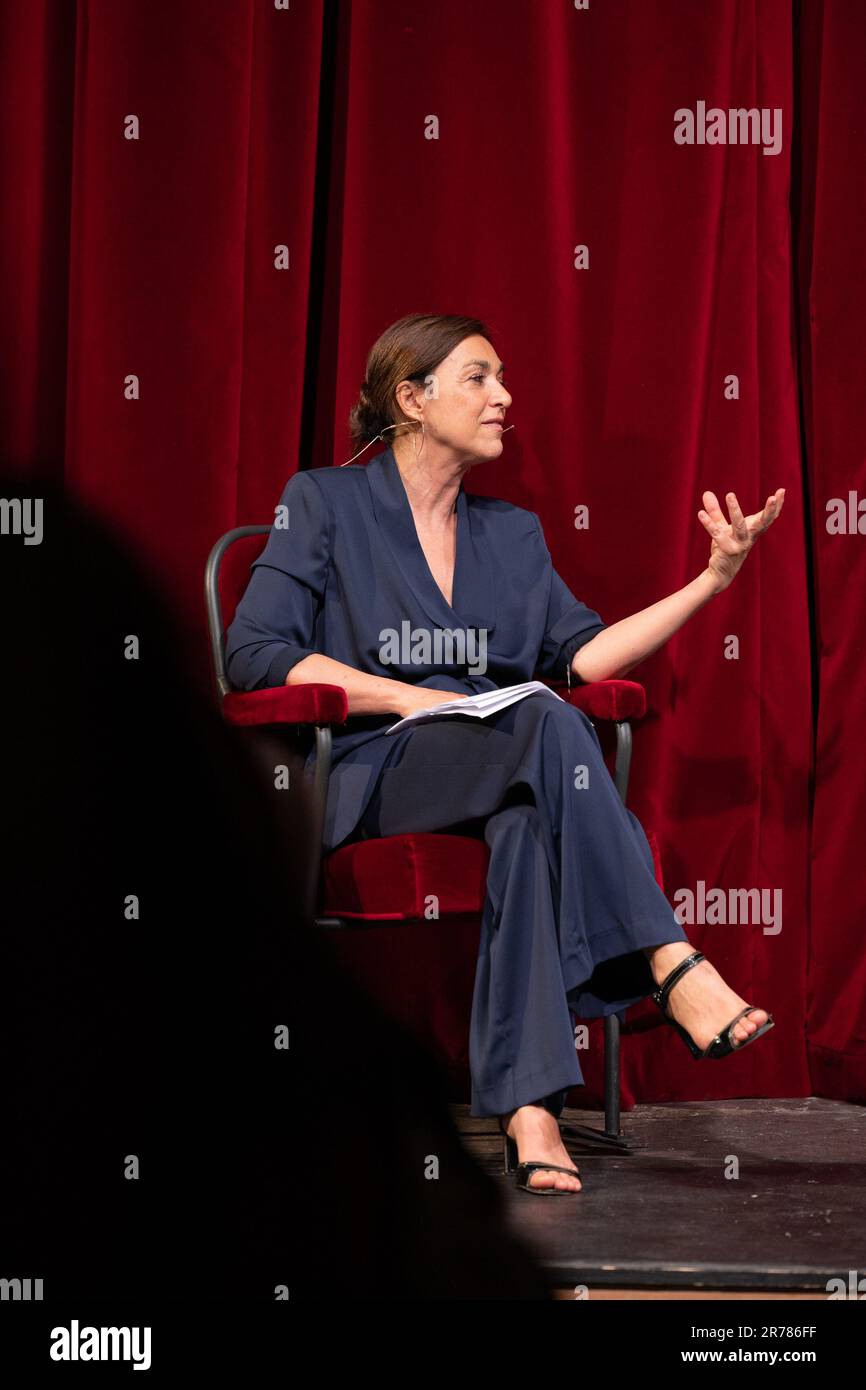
point(394, 427)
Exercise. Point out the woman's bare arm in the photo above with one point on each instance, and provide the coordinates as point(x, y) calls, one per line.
point(367, 694)
point(613, 652)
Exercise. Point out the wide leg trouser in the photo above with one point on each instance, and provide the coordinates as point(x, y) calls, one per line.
point(571, 892)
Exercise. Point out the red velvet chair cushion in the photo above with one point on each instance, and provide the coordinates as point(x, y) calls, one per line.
point(391, 879)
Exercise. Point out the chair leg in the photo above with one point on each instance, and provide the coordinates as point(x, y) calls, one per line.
point(623, 757)
point(612, 1022)
point(611, 1138)
point(612, 1124)
point(612, 1133)
point(321, 773)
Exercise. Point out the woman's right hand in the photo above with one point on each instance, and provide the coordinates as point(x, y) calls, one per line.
point(411, 698)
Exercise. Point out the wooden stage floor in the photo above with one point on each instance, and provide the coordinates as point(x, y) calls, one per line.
point(664, 1220)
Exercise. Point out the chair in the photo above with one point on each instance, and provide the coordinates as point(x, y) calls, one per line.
point(380, 882)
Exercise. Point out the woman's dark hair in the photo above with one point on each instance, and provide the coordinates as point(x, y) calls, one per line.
point(409, 350)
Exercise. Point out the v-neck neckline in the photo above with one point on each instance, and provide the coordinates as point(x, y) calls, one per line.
point(456, 513)
point(472, 584)
point(460, 509)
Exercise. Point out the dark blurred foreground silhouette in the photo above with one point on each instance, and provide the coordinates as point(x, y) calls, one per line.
point(152, 1035)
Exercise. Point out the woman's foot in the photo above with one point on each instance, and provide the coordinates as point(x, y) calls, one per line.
point(700, 1001)
point(536, 1133)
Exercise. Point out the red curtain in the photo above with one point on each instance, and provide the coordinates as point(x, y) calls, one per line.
point(160, 355)
point(829, 213)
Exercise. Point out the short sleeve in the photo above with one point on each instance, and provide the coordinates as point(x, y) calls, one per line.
point(569, 626)
point(274, 625)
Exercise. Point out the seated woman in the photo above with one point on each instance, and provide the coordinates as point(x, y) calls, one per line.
point(369, 577)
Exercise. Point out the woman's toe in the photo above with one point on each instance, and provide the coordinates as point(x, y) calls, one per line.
point(542, 1177)
point(750, 1024)
point(546, 1177)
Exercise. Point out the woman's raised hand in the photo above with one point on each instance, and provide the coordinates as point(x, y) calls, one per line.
point(732, 540)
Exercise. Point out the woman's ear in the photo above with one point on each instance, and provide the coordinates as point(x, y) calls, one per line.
point(407, 400)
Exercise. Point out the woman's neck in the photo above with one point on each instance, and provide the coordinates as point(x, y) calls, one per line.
point(431, 488)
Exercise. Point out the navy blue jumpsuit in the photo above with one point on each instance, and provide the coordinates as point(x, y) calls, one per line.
point(571, 895)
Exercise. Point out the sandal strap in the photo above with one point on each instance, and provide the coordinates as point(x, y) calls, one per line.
point(660, 995)
point(528, 1168)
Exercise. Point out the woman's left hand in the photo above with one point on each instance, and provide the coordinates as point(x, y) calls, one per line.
point(732, 540)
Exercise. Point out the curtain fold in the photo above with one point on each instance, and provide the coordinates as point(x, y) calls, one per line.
point(831, 299)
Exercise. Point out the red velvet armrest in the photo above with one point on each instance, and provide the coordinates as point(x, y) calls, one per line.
point(287, 704)
point(328, 704)
point(605, 699)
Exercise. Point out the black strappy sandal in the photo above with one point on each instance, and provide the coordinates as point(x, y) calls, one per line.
point(525, 1170)
point(723, 1043)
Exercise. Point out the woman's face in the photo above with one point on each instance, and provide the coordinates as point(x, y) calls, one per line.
point(466, 394)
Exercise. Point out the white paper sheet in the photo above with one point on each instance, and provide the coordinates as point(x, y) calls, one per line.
point(477, 706)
